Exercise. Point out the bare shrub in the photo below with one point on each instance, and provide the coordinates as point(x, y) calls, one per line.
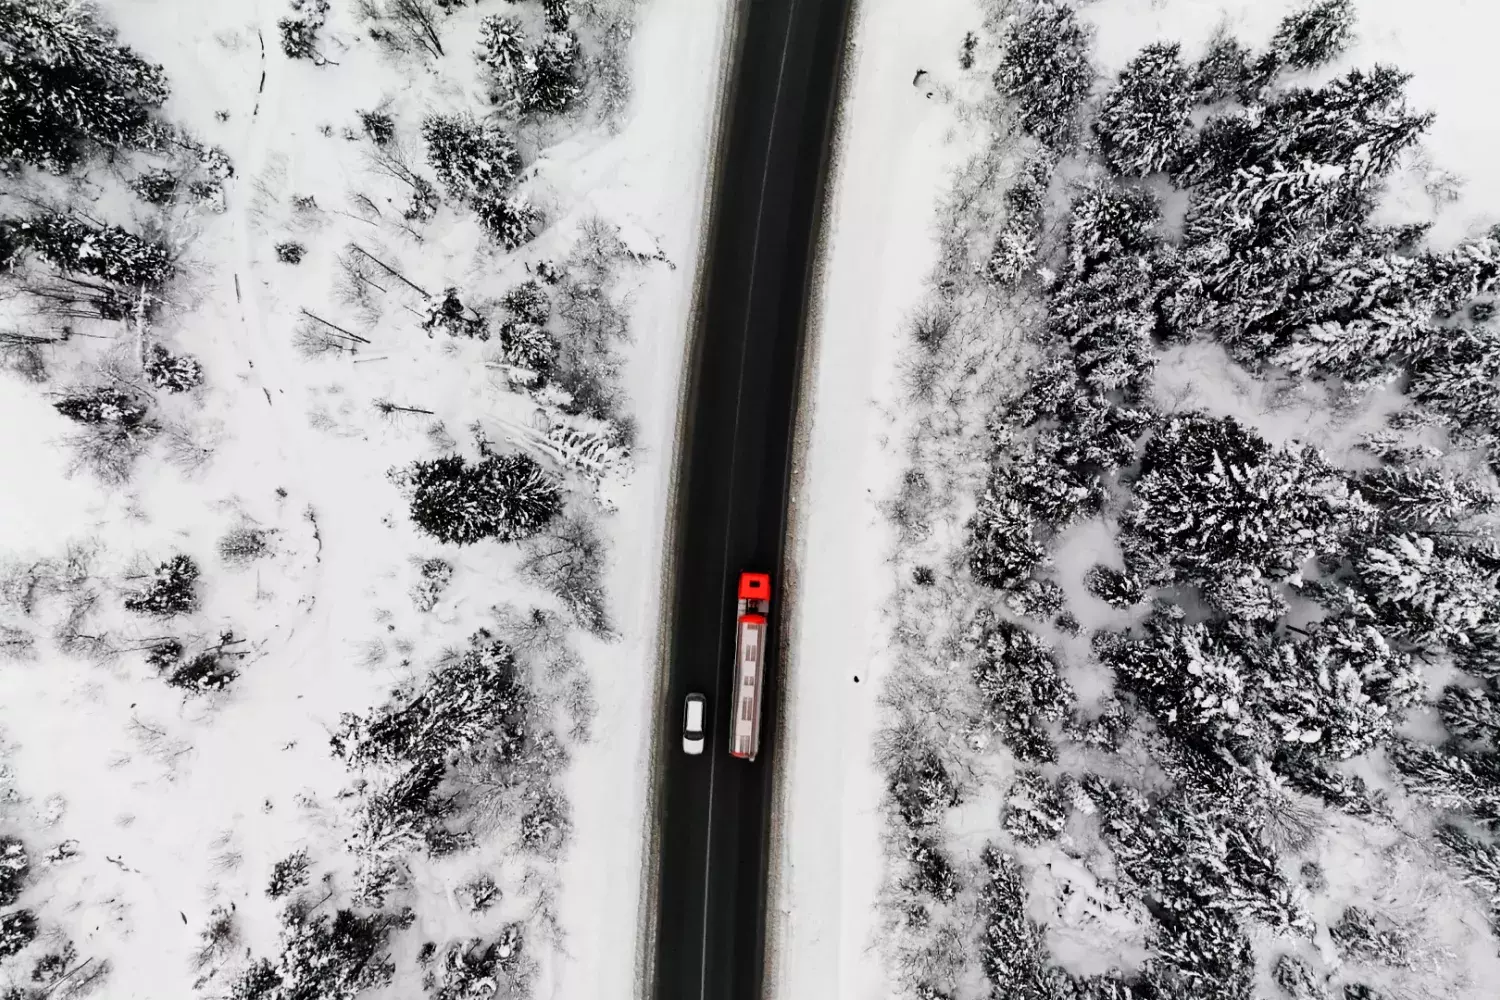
point(568, 559)
point(242, 545)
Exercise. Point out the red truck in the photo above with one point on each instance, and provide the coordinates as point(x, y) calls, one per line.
point(749, 663)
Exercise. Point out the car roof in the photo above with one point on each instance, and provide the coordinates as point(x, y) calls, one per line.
point(695, 711)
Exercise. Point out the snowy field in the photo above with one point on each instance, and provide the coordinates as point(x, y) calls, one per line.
point(152, 814)
point(870, 901)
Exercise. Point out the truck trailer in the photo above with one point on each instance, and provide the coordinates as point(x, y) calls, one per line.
point(749, 663)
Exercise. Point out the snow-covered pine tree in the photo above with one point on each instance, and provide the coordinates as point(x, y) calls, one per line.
point(1450, 778)
point(1224, 72)
point(1245, 598)
point(1426, 593)
point(1478, 861)
point(15, 863)
point(17, 930)
point(1472, 713)
point(1425, 496)
point(1044, 69)
point(106, 252)
point(1014, 254)
point(506, 497)
point(554, 84)
point(66, 85)
point(448, 313)
point(299, 31)
point(172, 372)
point(1012, 947)
point(476, 161)
point(508, 62)
point(1213, 498)
point(511, 221)
point(1143, 125)
point(1313, 35)
point(104, 406)
point(461, 704)
point(336, 957)
point(1297, 980)
point(1003, 549)
point(1105, 305)
point(172, 590)
point(1018, 676)
point(557, 14)
point(1455, 378)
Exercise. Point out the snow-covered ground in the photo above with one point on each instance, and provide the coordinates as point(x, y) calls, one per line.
point(893, 172)
point(173, 806)
point(895, 148)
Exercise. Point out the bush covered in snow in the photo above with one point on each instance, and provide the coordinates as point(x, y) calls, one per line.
point(172, 372)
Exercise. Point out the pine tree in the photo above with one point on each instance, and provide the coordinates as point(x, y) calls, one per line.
point(1245, 598)
point(922, 789)
point(104, 406)
point(1044, 69)
point(1014, 254)
point(1456, 378)
point(65, 85)
point(448, 313)
point(528, 302)
point(476, 161)
point(1224, 73)
point(288, 875)
point(15, 863)
point(336, 957)
point(1214, 499)
point(1425, 496)
point(299, 34)
point(1313, 35)
point(508, 62)
point(1115, 587)
point(1018, 676)
point(1424, 593)
point(106, 252)
point(170, 592)
point(1478, 860)
point(17, 930)
point(1012, 947)
point(172, 372)
point(1471, 713)
point(554, 85)
point(1143, 125)
point(1035, 809)
point(460, 705)
point(511, 222)
point(506, 497)
point(1003, 549)
point(1361, 936)
point(1450, 778)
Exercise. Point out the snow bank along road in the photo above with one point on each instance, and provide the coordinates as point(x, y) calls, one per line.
point(713, 810)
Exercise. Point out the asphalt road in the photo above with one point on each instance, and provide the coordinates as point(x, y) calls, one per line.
point(714, 810)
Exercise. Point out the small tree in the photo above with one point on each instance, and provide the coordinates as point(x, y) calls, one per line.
point(171, 590)
point(288, 875)
point(506, 497)
point(554, 84)
point(1003, 549)
point(336, 957)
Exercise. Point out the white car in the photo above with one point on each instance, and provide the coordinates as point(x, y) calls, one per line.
point(694, 717)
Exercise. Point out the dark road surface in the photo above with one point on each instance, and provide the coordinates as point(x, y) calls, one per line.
point(732, 491)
